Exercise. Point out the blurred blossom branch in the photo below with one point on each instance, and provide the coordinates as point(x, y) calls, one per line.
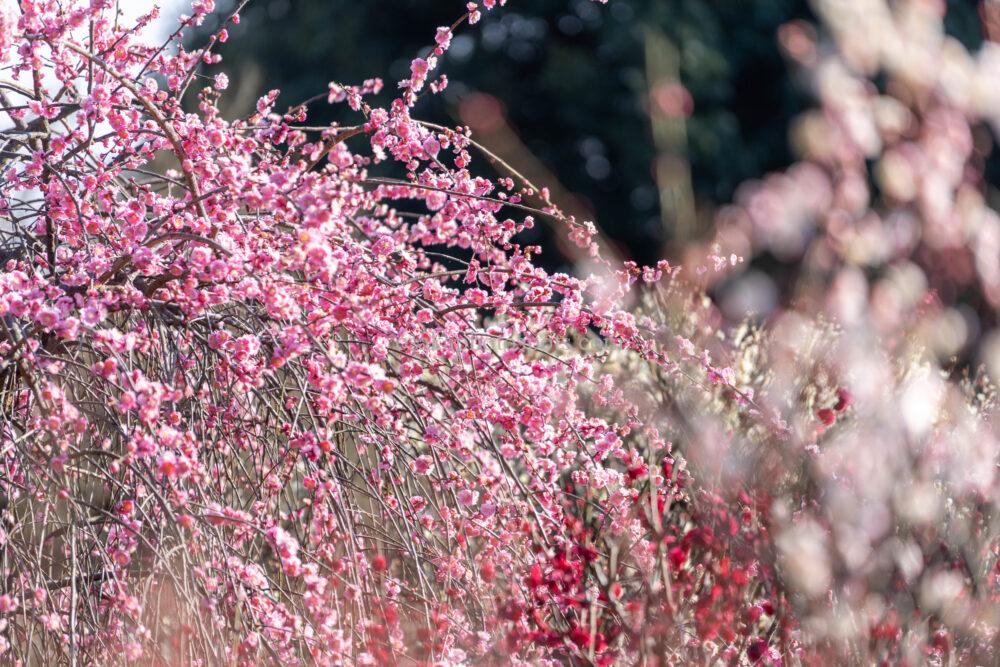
point(669, 104)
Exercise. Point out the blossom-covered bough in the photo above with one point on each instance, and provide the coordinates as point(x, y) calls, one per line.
point(265, 400)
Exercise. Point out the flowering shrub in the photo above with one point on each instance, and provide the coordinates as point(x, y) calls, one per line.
point(266, 402)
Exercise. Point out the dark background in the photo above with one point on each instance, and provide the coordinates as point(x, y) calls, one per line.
point(574, 78)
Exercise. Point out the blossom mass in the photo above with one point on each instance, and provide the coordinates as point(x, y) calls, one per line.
point(280, 393)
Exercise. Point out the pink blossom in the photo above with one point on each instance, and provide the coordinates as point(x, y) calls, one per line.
point(422, 464)
point(467, 497)
point(312, 375)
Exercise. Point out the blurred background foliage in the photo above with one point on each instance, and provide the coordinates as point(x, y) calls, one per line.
point(589, 96)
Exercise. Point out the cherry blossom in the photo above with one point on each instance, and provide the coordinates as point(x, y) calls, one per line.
point(274, 392)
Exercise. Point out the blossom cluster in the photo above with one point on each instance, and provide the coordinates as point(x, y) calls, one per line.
point(262, 402)
point(279, 393)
